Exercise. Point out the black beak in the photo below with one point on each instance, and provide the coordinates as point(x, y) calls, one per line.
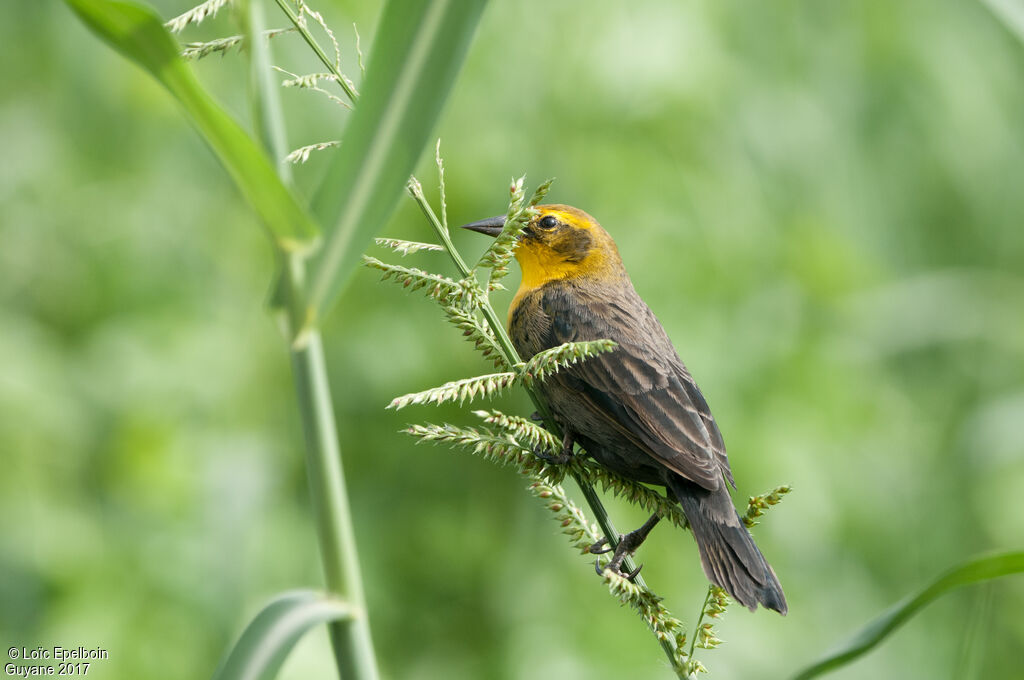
point(492, 226)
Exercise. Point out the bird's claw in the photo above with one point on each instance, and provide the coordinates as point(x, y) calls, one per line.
point(622, 549)
point(629, 576)
point(632, 575)
point(560, 459)
point(626, 546)
point(564, 457)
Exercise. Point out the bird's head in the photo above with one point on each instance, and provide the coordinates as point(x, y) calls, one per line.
point(559, 242)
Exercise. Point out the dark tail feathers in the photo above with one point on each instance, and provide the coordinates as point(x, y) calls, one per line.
point(728, 553)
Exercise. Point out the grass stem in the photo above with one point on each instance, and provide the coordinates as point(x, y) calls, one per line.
point(353, 647)
point(300, 26)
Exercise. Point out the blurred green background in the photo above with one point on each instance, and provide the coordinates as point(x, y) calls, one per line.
point(821, 200)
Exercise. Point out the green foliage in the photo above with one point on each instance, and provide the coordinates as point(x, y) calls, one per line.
point(820, 205)
point(495, 448)
point(417, 53)
point(196, 15)
point(537, 368)
point(501, 250)
point(529, 435)
point(264, 95)
point(459, 391)
point(973, 571)
point(756, 505)
point(301, 154)
point(137, 32)
point(476, 331)
point(300, 20)
point(405, 247)
point(435, 285)
point(543, 364)
point(311, 81)
point(198, 50)
point(1010, 12)
point(273, 632)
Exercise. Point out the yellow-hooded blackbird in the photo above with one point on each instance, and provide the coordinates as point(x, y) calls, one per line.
point(636, 409)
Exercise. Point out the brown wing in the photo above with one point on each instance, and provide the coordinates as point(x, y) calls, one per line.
point(642, 388)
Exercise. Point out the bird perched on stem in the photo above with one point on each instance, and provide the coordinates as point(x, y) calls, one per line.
point(636, 409)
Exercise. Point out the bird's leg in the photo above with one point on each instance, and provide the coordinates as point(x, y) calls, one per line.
point(628, 543)
point(565, 456)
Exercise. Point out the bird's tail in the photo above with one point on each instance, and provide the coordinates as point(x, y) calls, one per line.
point(728, 553)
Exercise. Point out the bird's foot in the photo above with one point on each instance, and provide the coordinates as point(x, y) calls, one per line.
point(628, 543)
point(561, 459)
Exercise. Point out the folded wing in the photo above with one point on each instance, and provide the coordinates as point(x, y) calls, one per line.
point(641, 388)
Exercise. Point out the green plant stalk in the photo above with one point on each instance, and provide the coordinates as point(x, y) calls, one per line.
point(350, 636)
point(700, 620)
point(268, 119)
point(315, 46)
point(498, 328)
point(351, 640)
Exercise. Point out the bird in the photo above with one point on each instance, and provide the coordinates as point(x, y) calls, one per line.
point(636, 410)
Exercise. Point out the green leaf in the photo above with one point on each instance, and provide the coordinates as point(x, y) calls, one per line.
point(979, 569)
point(1010, 13)
point(416, 55)
point(137, 33)
point(270, 636)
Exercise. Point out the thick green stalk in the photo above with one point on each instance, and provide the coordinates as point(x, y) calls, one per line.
point(350, 637)
point(353, 647)
point(512, 356)
point(268, 119)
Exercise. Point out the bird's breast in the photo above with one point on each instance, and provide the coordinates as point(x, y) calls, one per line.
point(528, 325)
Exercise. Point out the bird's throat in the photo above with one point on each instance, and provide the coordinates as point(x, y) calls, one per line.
point(541, 266)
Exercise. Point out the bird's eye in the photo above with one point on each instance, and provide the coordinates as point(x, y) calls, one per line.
point(548, 222)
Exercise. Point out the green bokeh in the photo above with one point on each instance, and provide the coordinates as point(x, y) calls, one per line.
point(820, 200)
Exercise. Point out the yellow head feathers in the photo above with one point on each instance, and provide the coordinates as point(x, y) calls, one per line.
point(564, 242)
